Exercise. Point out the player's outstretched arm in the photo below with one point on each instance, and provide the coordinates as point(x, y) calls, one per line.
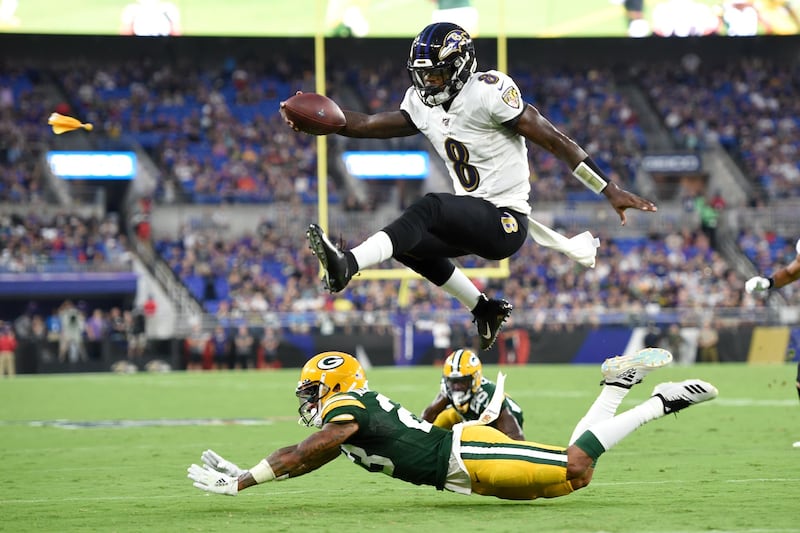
point(378, 126)
point(318, 449)
point(789, 273)
point(780, 278)
point(536, 128)
point(621, 200)
point(292, 461)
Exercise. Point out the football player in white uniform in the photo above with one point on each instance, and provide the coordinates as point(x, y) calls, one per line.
point(478, 123)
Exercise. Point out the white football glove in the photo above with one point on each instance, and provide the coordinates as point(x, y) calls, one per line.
point(443, 388)
point(220, 464)
point(756, 284)
point(207, 479)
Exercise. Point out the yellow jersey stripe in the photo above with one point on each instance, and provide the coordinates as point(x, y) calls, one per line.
point(344, 417)
point(341, 400)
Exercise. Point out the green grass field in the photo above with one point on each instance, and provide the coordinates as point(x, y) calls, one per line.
point(727, 465)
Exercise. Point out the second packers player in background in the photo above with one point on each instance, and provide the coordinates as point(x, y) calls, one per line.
point(465, 394)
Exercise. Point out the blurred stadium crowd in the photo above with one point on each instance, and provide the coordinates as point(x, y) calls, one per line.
point(213, 134)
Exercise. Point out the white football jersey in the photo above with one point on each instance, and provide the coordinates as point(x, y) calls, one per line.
point(484, 158)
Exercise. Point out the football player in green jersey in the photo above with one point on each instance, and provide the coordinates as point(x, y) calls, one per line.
point(382, 436)
point(465, 394)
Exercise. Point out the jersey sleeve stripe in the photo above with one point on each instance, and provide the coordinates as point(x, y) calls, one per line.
point(344, 417)
point(344, 402)
point(340, 401)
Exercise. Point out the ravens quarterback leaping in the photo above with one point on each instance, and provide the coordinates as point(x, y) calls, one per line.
point(478, 123)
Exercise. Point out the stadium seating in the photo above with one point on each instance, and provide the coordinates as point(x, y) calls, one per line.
point(213, 132)
point(61, 243)
point(22, 135)
point(745, 104)
point(208, 128)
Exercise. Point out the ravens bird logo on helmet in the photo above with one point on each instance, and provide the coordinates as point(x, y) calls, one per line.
point(443, 52)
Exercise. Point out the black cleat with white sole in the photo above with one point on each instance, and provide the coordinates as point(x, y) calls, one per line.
point(489, 316)
point(332, 259)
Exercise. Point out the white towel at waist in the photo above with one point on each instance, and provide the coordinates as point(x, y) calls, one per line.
point(581, 248)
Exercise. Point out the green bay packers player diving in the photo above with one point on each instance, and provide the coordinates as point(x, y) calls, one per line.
point(382, 436)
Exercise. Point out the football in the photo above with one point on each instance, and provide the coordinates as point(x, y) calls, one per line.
point(314, 113)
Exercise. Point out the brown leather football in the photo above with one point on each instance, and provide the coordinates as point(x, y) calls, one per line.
point(314, 113)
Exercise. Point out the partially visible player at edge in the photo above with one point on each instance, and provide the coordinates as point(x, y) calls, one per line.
point(478, 124)
point(382, 436)
point(780, 278)
point(465, 394)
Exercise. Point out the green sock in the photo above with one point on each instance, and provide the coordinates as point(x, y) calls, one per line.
point(589, 444)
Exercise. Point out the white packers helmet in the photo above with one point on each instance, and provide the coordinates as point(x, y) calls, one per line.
point(323, 375)
point(461, 377)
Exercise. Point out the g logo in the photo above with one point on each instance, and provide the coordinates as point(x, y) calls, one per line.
point(330, 362)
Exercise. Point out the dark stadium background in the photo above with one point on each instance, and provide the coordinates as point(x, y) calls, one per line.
point(744, 90)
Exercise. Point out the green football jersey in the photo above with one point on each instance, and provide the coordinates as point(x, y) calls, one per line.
point(390, 439)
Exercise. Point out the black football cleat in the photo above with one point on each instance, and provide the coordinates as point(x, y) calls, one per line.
point(489, 317)
point(332, 259)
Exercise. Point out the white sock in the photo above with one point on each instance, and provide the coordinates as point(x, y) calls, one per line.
point(376, 249)
point(610, 432)
point(603, 408)
point(462, 289)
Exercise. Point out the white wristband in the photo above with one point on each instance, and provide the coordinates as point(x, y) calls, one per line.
point(589, 178)
point(262, 472)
